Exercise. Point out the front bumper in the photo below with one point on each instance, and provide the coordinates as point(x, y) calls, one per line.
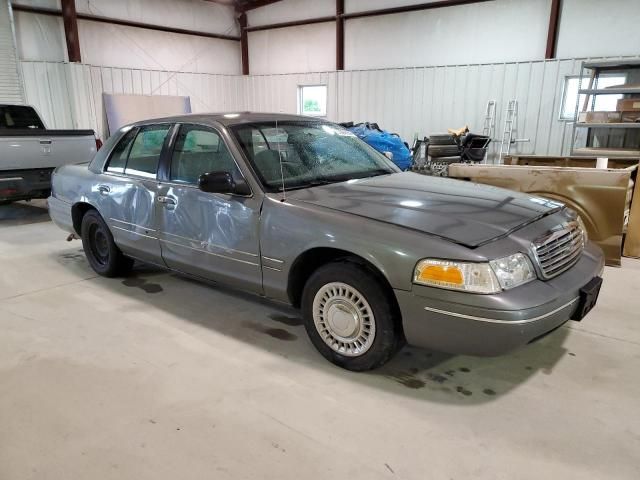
point(490, 325)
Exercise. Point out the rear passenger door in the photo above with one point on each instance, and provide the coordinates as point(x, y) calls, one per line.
point(211, 235)
point(128, 189)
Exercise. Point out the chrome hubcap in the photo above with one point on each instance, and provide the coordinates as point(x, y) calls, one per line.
point(344, 319)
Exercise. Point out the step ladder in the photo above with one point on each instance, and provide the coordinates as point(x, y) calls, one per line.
point(489, 125)
point(510, 119)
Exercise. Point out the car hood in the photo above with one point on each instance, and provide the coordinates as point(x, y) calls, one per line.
point(467, 213)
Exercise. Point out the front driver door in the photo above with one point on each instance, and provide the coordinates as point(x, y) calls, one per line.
point(210, 235)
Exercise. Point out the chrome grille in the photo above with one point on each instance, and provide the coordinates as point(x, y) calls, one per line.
point(559, 250)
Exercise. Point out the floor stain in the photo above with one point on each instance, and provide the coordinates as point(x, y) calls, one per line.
point(488, 391)
point(408, 381)
point(464, 391)
point(290, 321)
point(389, 468)
point(142, 284)
point(464, 369)
point(278, 333)
point(528, 368)
point(72, 256)
point(572, 354)
point(436, 377)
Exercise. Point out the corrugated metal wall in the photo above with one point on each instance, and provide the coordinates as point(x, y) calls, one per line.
point(10, 87)
point(426, 100)
point(420, 100)
point(70, 95)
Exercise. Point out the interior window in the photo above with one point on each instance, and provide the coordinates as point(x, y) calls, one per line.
point(199, 150)
point(145, 152)
point(119, 155)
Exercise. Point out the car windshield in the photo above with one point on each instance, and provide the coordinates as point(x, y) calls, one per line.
point(305, 154)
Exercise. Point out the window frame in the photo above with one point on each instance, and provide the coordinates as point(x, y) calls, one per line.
point(166, 177)
point(563, 98)
point(301, 100)
point(167, 141)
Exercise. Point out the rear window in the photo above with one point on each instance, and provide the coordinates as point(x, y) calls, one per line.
point(17, 117)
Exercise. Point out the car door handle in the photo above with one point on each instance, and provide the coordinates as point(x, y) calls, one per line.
point(104, 189)
point(166, 200)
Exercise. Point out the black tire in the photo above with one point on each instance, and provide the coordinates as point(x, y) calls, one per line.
point(443, 150)
point(443, 139)
point(103, 254)
point(388, 337)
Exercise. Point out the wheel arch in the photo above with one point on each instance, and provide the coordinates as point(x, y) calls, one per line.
point(310, 260)
point(78, 211)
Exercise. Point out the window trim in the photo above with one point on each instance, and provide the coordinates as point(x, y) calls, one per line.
point(563, 99)
point(166, 178)
point(167, 139)
point(300, 100)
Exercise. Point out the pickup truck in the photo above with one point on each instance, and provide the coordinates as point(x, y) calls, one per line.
point(29, 152)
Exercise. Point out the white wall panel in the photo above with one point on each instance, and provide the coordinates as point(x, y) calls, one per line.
point(70, 95)
point(503, 30)
point(420, 100)
point(41, 37)
point(197, 15)
point(126, 47)
point(599, 28)
point(291, 10)
point(308, 48)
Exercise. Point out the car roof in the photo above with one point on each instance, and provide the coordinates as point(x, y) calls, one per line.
point(230, 118)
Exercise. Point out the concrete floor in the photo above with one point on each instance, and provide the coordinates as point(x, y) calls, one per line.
point(156, 376)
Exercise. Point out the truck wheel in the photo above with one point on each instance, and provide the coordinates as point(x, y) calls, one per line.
point(104, 256)
point(349, 317)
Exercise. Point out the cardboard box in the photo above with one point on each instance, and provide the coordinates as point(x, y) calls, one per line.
point(631, 117)
point(599, 117)
point(628, 105)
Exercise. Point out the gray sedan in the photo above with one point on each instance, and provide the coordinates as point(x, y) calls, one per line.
point(301, 211)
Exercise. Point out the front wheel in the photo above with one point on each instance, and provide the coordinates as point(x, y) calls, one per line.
point(103, 254)
point(350, 316)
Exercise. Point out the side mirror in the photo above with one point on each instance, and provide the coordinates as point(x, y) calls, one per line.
point(221, 182)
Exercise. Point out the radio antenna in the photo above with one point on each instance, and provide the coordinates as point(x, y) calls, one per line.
point(284, 193)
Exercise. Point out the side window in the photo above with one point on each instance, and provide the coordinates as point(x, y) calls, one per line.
point(119, 155)
point(145, 151)
point(199, 150)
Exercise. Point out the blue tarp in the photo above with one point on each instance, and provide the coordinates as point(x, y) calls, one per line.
point(384, 141)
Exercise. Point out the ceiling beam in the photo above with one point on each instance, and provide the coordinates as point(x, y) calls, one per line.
point(554, 27)
point(245, 7)
point(412, 8)
point(244, 43)
point(70, 21)
point(294, 23)
point(124, 23)
point(339, 35)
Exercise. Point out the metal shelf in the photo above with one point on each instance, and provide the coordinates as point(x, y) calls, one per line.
point(609, 91)
point(608, 125)
point(607, 152)
point(612, 64)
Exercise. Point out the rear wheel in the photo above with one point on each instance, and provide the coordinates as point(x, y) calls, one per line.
point(103, 254)
point(350, 317)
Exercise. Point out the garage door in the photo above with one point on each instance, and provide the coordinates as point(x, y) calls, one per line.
point(10, 87)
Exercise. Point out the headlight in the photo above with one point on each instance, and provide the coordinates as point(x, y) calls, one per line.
point(585, 235)
point(491, 277)
point(513, 270)
point(470, 277)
